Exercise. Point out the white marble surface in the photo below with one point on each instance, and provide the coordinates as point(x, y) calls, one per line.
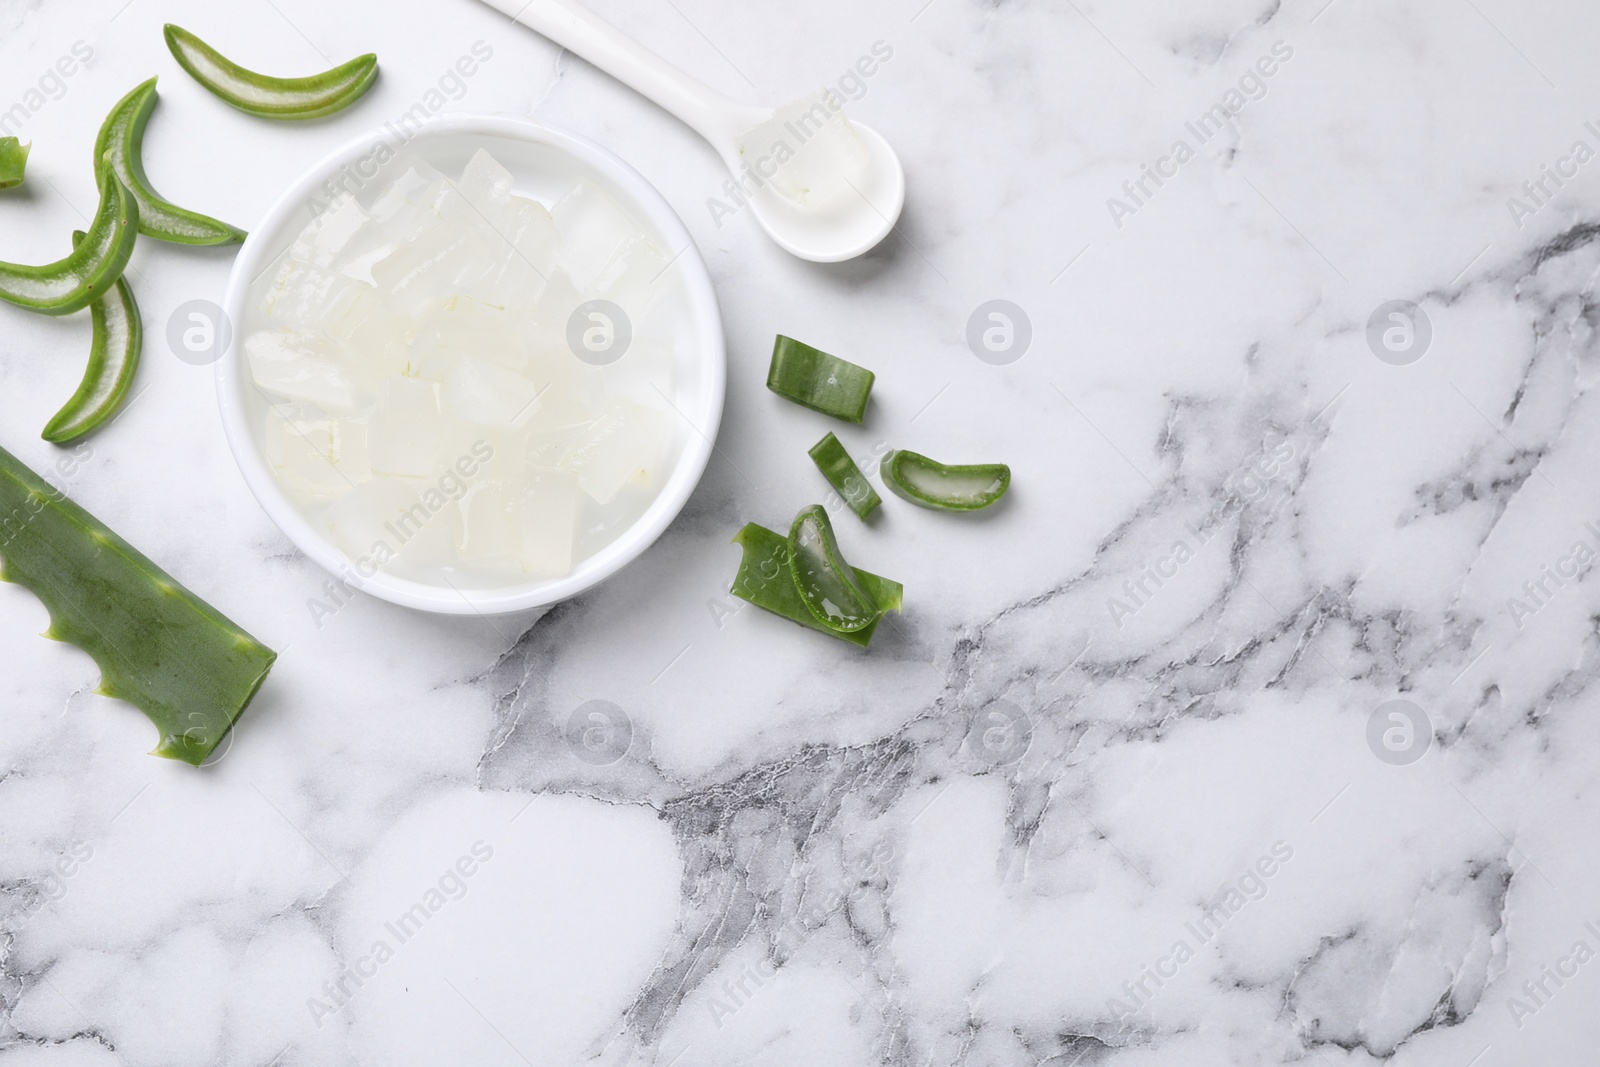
point(813, 855)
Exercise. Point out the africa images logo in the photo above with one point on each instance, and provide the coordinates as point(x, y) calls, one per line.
point(1252, 86)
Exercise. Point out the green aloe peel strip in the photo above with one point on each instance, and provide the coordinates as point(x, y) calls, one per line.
point(121, 143)
point(846, 478)
point(816, 380)
point(936, 485)
point(13, 162)
point(158, 646)
point(765, 581)
point(71, 284)
point(113, 359)
point(272, 98)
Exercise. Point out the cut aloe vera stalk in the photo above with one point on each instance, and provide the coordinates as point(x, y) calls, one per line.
point(764, 580)
point(845, 477)
point(121, 144)
point(816, 380)
point(72, 284)
point(158, 646)
point(113, 359)
point(935, 485)
point(272, 98)
point(13, 162)
point(826, 583)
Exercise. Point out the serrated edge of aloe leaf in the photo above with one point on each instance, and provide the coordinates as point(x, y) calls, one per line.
point(75, 282)
point(150, 671)
point(122, 139)
point(21, 158)
point(84, 413)
point(889, 472)
point(267, 97)
point(835, 561)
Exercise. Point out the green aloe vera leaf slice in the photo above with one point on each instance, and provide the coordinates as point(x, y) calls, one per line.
point(121, 143)
point(113, 359)
point(158, 646)
point(816, 380)
point(826, 583)
point(267, 97)
point(72, 284)
point(846, 478)
point(13, 162)
point(764, 580)
point(930, 484)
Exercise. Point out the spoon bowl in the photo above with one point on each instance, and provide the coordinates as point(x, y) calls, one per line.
point(852, 223)
point(845, 227)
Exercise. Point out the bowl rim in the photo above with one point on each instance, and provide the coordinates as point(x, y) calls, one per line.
point(230, 376)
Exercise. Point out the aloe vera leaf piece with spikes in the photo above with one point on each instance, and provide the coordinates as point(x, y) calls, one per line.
point(159, 647)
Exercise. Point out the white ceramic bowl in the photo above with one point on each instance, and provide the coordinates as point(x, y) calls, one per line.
point(544, 160)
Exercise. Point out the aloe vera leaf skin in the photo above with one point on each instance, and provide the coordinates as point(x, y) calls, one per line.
point(118, 339)
point(13, 162)
point(75, 282)
point(120, 145)
point(268, 97)
point(846, 478)
point(822, 382)
point(763, 579)
point(158, 646)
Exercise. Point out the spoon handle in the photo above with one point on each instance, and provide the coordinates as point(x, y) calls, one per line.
point(582, 32)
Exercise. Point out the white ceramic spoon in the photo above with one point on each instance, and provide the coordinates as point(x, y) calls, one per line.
point(845, 228)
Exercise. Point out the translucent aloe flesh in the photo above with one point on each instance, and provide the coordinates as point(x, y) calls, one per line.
point(764, 580)
point(826, 583)
point(268, 97)
point(931, 484)
point(118, 338)
point(121, 144)
point(72, 284)
point(158, 646)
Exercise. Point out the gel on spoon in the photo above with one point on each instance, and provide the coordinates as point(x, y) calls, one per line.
point(838, 196)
